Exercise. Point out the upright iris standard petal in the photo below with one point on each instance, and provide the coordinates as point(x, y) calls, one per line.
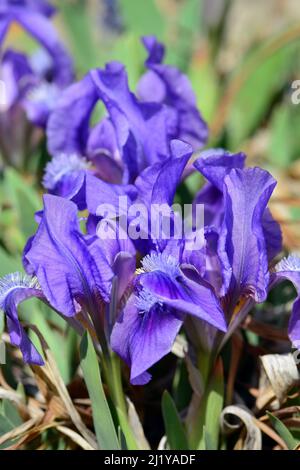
point(156, 187)
point(156, 50)
point(289, 269)
point(242, 246)
point(166, 84)
point(74, 135)
point(159, 182)
point(14, 289)
point(215, 164)
point(140, 127)
point(132, 137)
point(68, 126)
point(67, 267)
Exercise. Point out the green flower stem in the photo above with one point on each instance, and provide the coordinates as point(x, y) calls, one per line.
point(116, 383)
point(204, 424)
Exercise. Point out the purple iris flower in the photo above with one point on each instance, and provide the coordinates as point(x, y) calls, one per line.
point(168, 287)
point(132, 137)
point(233, 275)
point(70, 271)
point(242, 238)
point(38, 80)
point(289, 269)
point(215, 165)
point(118, 149)
point(167, 85)
point(156, 185)
point(14, 289)
point(135, 134)
point(141, 312)
point(164, 294)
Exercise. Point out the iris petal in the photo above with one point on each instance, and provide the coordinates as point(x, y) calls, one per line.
point(289, 269)
point(242, 246)
point(14, 289)
point(67, 268)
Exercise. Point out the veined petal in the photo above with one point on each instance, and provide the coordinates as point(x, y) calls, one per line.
point(158, 183)
point(67, 267)
point(215, 164)
point(140, 127)
point(14, 289)
point(242, 246)
point(186, 296)
point(143, 338)
point(166, 84)
point(289, 269)
point(69, 135)
point(162, 276)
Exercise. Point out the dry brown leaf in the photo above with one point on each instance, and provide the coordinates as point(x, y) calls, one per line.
point(279, 373)
point(137, 427)
point(19, 430)
point(77, 438)
point(253, 438)
point(51, 374)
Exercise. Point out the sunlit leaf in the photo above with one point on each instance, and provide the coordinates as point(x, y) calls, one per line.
point(283, 431)
point(268, 75)
point(104, 426)
point(174, 429)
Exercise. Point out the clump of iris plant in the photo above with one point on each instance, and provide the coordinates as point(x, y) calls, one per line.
point(135, 295)
point(31, 83)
